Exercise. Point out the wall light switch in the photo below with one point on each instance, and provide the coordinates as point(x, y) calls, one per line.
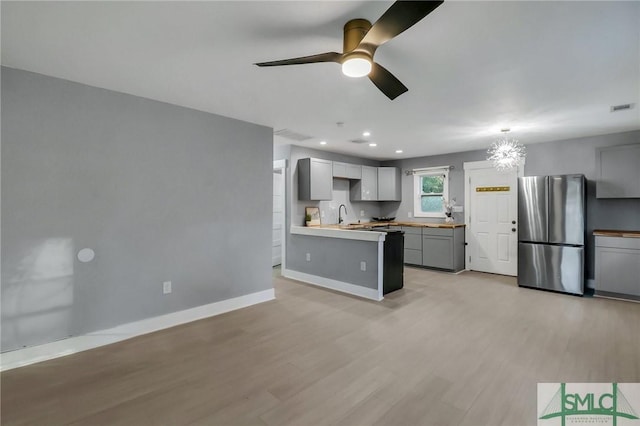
point(363, 266)
point(322, 213)
point(308, 257)
point(166, 287)
point(458, 209)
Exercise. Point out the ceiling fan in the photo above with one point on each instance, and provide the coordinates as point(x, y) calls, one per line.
point(361, 39)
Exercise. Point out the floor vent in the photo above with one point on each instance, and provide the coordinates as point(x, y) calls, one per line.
point(622, 107)
point(290, 134)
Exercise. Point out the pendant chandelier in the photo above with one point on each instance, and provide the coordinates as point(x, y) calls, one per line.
point(506, 153)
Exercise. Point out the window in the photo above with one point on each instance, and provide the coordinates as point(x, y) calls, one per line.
point(431, 188)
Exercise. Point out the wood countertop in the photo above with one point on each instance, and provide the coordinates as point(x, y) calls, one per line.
point(414, 224)
point(429, 225)
point(616, 233)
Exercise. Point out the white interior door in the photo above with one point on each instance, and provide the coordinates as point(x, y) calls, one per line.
point(491, 219)
point(278, 217)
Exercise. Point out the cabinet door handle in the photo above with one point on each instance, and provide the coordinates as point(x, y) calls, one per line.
point(513, 222)
point(513, 229)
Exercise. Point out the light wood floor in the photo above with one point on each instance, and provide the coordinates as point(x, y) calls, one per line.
point(463, 349)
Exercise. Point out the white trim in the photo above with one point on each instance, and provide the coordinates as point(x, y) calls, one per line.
point(473, 165)
point(345, 234)
point(486, 164)
point(282, 166)
point(380, 269)
point(430, 169)
point(31, 355)
point(356, 290)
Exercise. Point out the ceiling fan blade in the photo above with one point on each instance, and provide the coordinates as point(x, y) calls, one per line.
point(322, 57)
point(386, 82)
point(401, 16)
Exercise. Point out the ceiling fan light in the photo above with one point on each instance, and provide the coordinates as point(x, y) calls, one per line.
point(356, 66)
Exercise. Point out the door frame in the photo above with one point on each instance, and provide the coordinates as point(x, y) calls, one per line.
point(281, 166)
point(478, 165)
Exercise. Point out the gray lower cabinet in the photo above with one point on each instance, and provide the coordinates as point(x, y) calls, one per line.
point(437, 252)
point(618, 172)
point(412, 245)
point(617, 271)
point(315, 179)
point(441, 248)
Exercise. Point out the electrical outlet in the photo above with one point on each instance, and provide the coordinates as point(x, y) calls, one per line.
point(308, 257)
point(166, 287)
point(409, 214)
point(361, 213)
point(363, 266)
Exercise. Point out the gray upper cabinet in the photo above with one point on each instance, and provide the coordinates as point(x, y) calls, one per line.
point(346, 170)
point(315, 179)
point(389, 184)
point(365, 189)
point(618, 170)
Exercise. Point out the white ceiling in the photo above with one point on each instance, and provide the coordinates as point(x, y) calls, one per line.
point(547, 70)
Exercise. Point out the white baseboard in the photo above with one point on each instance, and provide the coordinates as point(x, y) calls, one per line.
point(31, 355)
point(356, 290)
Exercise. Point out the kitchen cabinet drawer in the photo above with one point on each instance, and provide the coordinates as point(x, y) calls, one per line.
point(413, 241)
point(412, 230)
point(412, 257)
point(437, 252)
point(438, 232)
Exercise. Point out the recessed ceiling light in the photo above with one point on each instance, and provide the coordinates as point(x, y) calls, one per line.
point(398, 151)
point(365, 134)
point(323, 142)
point(373, 144)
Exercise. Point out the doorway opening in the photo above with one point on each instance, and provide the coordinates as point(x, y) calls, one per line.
point(279, 216)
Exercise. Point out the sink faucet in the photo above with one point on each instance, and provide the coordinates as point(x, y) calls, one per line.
point(339, 215)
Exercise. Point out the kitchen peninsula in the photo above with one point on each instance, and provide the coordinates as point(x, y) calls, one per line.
point(351, 258)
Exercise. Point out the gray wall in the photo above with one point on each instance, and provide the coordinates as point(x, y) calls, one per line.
point(335, 259)
point(160, 192)
point(561, 157)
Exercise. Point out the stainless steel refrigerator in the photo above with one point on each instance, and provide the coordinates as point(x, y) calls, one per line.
point(551, 232)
